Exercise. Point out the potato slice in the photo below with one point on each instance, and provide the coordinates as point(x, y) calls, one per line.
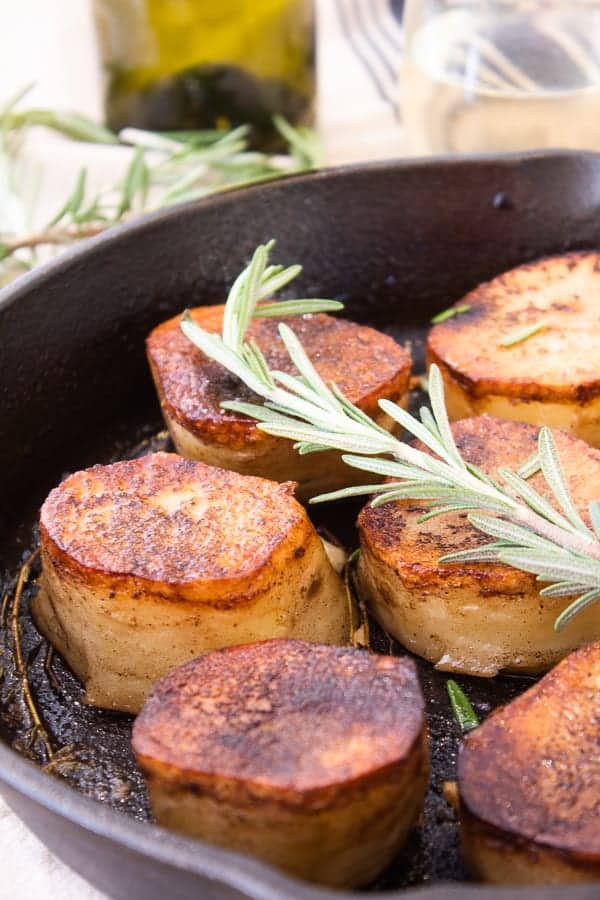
point(365, 364)
point(313, 758)
point(476, 618)
point(529, 781)
point(553, 377)
point(150, 562)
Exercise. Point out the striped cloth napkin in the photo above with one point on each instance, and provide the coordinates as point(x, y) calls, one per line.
point(359, 55)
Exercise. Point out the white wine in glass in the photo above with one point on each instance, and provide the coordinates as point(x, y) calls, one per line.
point(489, 76)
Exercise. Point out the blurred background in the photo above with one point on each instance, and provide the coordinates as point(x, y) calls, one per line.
point(241, 90)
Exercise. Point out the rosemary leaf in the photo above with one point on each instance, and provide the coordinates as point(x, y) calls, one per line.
point(577, 607)
point(150, 140)
point(298, 407)
point(74, 201)
point(551, 566)
point(449, 493)
point(303, 143)
point(534, 500)
point(72, 125)
point(300, 359)
point(450, 313)
point(464, 713)
point(484, 553)
point(416, 428)
point(346, 442)
point(305, 448)
point(277, 279)
point(260, 363)
point(390, 497)
point(429, 422)
point(356, 414)
point(420, 487)
point(296, 308)
point(530, 467)
point(352, 491)
point(551, 467)
point(563, 589)
point(78, 193)
point(253, 410)
point(249, 293)
point(482, 476)
point(385, 467)
point(438, 406)
point(12, 101)
point(448, 508)
point(298, 386)
point(136, 180)
point(508, 531)
point(521, 334)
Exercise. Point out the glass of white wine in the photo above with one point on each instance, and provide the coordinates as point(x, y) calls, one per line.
point(491, 75)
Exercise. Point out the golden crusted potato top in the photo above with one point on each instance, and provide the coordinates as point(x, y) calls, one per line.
point(395, 535)
point(283, 716)
point(533, 768)
point(560, 363)
point(170, 520)
point(365, 364)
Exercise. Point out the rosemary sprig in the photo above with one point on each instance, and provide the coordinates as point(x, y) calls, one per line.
point(164, 170)
point(551, 540)
point(465, 715)
point(256, 282)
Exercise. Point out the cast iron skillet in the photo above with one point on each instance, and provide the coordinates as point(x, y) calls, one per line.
point(397, 242)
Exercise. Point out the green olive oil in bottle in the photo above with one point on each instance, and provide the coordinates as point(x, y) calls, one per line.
point(186, 64)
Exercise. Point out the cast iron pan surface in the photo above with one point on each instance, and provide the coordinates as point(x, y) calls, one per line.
point(396, 242)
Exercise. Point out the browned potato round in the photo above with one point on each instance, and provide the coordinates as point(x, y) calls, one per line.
point(366, 365)
point(529, 781)
point(313, 758)
point(553, 377)
point(477, 618)
point(150, 562)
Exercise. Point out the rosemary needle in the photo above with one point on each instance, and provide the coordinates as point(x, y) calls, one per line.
point(521, 334)
point(450, 313)
point(464, 713)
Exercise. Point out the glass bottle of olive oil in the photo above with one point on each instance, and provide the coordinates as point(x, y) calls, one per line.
point(179, 64)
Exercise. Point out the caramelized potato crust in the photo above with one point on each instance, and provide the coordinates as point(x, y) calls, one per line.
point(477, 618)
point(149, 562)
point(552, 378)
point(312, 757)
point(365, 364)
point(529, 781)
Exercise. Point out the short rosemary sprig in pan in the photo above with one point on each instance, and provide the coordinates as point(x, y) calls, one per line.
point(254, 284)
point(551, 540)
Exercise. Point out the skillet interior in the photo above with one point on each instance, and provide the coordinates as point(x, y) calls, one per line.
point(396, 243)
